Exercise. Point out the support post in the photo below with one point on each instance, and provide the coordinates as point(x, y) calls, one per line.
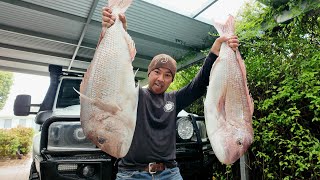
point(244, 168)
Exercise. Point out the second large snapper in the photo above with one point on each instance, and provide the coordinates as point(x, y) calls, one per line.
point(109, 96)
point(228, 105)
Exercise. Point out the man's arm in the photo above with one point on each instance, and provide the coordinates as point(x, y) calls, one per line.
point(198, 86)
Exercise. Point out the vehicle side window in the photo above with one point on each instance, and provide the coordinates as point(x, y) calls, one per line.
point(67, 95)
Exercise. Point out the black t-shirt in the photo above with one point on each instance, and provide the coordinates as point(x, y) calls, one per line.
point(154, 139)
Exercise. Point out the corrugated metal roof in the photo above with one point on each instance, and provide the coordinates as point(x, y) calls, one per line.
point(41, 32)
point(29, 19)
point(79, 7)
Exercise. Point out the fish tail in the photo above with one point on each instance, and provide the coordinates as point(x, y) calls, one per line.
point(226, 28)
point(121, 4)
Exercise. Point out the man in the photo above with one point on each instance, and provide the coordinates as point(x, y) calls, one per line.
point(152, 153)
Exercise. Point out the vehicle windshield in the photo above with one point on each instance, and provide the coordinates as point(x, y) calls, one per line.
point(67, 95)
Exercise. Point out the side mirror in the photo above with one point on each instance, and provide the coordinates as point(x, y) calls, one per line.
point(22, 105)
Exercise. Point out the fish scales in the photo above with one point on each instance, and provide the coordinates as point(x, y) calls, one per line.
point(228, 105)
point(108, 93)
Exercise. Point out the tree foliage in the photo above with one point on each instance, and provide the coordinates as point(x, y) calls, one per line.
point(283, 72)
point(6, 81)
point(283, 69)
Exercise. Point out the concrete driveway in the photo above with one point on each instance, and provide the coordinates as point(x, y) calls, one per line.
point(16, 169)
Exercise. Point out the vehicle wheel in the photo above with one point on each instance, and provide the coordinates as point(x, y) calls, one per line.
point(33, 172)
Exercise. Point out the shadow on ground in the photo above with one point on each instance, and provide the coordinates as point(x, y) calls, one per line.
point(15, 169)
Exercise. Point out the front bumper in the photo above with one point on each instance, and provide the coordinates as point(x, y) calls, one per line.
point(77, 167)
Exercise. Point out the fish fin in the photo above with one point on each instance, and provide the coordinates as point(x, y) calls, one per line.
point(102, 34)
point(251, 107)
point(242, 65)
point(110, 107)
point(131, 46)
point(226, 28)
point(85, 80)
point(244, 76)
point(135, 73)
point(83, 96)
point(221, 105)
point(121, 4)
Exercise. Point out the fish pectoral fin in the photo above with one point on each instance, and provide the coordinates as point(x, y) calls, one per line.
point(108, 107)
point(135, 73)
point(112, 108)
point(131, 46)
point(83, 96)
point(221, 105)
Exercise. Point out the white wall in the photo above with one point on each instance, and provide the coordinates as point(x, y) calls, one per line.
point(14, 121)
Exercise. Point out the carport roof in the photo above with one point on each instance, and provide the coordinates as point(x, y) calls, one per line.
point(36, 33)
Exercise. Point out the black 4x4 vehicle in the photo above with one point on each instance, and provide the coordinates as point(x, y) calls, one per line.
point(61, 150)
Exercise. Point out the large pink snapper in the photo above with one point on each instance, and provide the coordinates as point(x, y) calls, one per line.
point(228, 107)
point(108, 93)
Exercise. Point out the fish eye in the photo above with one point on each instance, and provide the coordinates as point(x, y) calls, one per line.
point(239, 142)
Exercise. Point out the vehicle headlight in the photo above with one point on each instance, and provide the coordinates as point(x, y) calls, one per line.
point(184, 128)
point(68, 136)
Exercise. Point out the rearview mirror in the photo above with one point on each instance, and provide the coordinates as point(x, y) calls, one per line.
point(22, 105)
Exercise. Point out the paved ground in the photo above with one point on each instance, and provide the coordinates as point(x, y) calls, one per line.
point(17, 169)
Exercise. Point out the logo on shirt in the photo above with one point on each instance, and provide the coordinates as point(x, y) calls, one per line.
point(168, 107)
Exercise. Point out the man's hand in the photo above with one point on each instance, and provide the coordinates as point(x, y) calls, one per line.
point(108, 19)
point(232, 42)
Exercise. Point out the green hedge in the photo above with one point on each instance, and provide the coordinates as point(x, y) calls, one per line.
point(13, 139)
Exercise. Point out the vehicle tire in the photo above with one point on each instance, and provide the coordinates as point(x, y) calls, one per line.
point(33, 172)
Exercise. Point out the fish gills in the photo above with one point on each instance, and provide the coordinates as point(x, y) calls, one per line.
point(228, 107)
point(108, 94)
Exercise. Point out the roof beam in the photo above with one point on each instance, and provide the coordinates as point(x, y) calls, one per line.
point(23, 67)
point(45, 36)
point(141, 56)
point(25, 71)
point(140, 65)
point(42, 52)
point(38, 59)
point(139, 78)
point(23, 61)
point(201, 11)
point(93, 7)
